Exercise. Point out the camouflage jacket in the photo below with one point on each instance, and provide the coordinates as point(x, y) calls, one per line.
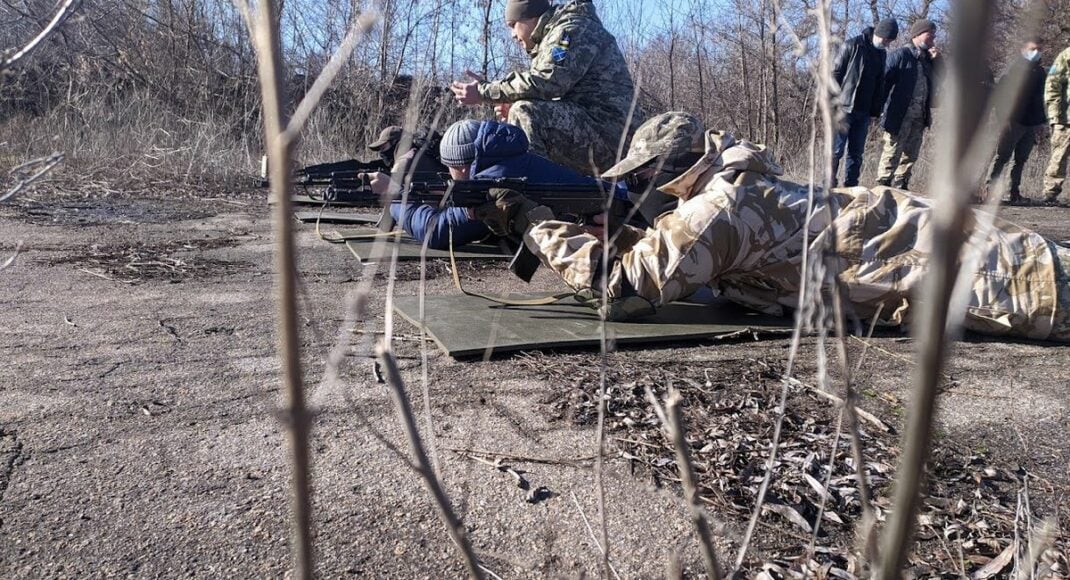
point(1057, 90)
point(740, 230)
point(575, 59)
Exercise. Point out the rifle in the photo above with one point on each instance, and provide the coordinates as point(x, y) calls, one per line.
point(324, 170)
point(577, 202)
point(320, 174)
point(342, 180)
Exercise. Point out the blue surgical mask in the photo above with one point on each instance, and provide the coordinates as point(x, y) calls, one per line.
point(1031, 55)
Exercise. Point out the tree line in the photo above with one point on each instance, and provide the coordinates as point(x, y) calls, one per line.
point(170, 85)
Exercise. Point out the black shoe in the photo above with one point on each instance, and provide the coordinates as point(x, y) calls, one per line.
point(884, 182)
point(1019, 201)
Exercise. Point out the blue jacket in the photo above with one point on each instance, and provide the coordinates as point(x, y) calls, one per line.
point(901, 72)
point(501, 151)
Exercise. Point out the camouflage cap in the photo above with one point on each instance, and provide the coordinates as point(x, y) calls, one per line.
point(668, 134)
point(387, 139)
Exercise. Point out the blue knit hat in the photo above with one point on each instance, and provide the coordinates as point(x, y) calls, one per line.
point(458, 147)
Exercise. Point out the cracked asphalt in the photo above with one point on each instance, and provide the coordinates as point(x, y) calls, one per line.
point(139, 436)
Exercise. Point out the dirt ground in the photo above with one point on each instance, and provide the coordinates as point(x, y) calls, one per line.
point(138, 433)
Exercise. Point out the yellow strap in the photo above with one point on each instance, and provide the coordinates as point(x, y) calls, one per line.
point(337, 237)
point(501, 299)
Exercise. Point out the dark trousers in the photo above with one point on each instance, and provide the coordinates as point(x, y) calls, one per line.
point(853, 140)
point(1016, 143)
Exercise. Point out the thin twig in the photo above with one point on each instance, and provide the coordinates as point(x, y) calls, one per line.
point(520, 458)
point(37, 168)
point(825, 488)
point(60, 16)
point(11, 260)
point(851, 413)
point(1039, 541)
point(356, 32)
point(811, 266)
point(862, 414)
point(423, 463)
point(594, 538)
point(675, 428)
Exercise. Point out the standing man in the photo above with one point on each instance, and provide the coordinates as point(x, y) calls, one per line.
point(574, 101)
point(859, 72)
point(1025, 123)
point(908, 89)
point(1057, 99)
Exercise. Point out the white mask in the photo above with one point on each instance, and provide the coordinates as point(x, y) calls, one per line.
point(878, 44)
point(1031, 55)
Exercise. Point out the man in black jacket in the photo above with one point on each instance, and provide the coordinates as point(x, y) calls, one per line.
point(859, 72)
point(1025, 123)
point(908, 89)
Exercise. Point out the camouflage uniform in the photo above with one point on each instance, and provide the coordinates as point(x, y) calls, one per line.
point(1057, 101)
point(739, 230)
point(901, 149)
point(574, 101)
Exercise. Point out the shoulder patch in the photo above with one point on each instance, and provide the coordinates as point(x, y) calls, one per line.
point(560, 52)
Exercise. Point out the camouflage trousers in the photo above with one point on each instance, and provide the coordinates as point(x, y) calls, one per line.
point(1055, 176)
point(686, 250)
point(565, 133)
point(1061, 324)
point(901, 152)
point(1017, 290)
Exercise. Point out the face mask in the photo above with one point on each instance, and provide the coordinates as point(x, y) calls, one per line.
point(1031, 55)
point(924, 46)
point(878, 44)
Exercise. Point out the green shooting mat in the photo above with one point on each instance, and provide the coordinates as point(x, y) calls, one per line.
point(409, 249)
point(333, 217)
point(300, 199)
point(465, 326)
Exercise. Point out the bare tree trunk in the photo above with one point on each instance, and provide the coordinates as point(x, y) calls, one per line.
point(874, 11)
point(701, 76)
point(486, 38)
point(763, 76)
point(746, 83)
point(775, 58)
point(672, 71)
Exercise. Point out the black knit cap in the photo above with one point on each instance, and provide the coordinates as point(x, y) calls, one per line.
point(888, 29)
point(921, 27)
point(525, 9)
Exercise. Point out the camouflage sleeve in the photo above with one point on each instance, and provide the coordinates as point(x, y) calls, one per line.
point(1055, 89)
point(688, 249)
point(564, 56)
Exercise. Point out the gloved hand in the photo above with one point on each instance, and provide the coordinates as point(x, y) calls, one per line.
point(507, 212)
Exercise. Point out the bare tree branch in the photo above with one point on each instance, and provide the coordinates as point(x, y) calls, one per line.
point(423, 463)
point(308, 104)
point(61, 15)
point(11, 260)
point(674, 425)
point(29, 172)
